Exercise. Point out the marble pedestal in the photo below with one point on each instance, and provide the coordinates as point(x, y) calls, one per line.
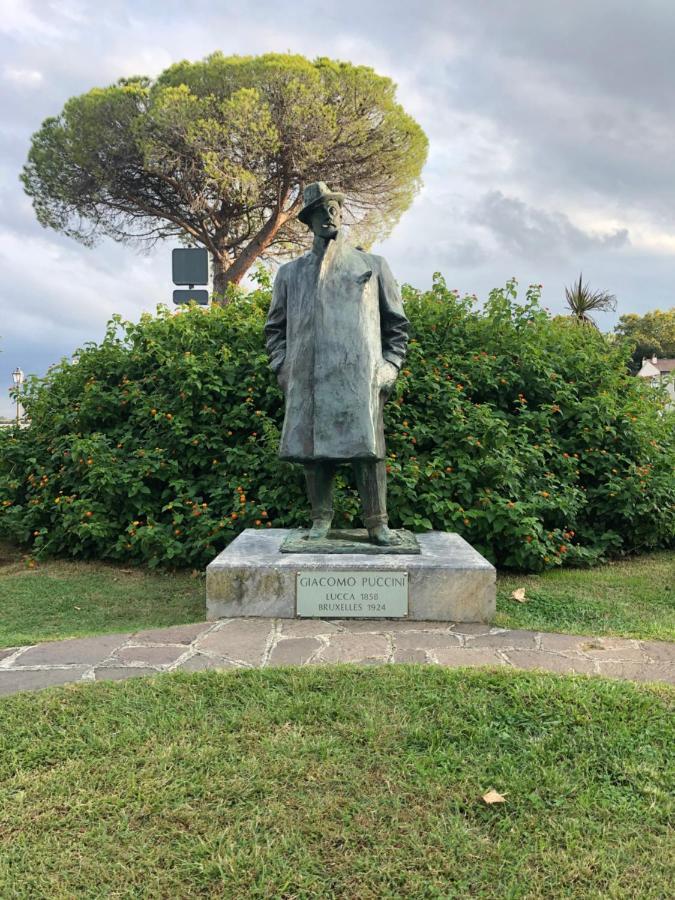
point(448, 581)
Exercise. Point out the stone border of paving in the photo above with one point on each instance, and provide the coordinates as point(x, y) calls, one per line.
point(260, 643)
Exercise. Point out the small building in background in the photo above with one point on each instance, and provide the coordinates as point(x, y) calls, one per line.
point(660, 372)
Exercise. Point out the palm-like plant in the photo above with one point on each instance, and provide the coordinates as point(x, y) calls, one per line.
point(582, 300)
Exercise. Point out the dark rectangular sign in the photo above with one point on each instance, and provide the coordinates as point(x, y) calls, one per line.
point(196, 296)
point(190, 266)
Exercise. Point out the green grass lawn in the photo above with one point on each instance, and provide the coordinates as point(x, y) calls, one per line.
point(63, 598)
point(632, 598)
point(338, 782)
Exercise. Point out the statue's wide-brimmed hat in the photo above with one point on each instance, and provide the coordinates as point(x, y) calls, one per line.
point(314, 193)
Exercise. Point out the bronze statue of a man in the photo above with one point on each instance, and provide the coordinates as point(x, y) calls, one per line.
point(336, 336)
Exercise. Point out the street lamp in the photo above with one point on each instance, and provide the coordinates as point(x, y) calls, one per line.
point(18, 378)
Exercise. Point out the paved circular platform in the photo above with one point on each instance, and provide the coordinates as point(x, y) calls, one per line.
point(253, 643)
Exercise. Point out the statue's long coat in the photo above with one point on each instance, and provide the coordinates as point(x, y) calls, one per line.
point(333, 322)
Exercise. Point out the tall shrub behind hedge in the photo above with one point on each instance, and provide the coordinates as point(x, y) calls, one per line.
point(523, 433)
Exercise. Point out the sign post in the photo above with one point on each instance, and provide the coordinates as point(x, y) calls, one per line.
point(190, 266)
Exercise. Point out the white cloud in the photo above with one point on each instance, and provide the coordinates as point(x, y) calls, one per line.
point(74, 11)
point(21, 20)
point(23, 77)
point(532, 232)
point(68, 292)
point(139, 61)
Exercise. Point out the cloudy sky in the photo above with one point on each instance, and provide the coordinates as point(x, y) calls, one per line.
point(551, 129)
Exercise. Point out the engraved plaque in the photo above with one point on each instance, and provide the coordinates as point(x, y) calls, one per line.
point(366, 594)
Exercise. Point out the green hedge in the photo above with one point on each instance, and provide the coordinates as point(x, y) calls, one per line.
point(523, 433)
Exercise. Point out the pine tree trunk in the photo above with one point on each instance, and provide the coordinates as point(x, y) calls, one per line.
point(221, 279)
point(231, 271)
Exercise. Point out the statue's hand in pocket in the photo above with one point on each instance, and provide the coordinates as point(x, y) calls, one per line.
point(282, 377)
point(388, 375)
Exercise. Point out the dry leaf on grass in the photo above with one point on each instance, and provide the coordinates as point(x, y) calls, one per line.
point(519, 595)
point(493, 797)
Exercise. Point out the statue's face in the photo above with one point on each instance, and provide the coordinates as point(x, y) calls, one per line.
point(326, 219)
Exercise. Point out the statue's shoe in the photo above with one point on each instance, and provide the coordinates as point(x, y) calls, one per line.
point(318, 531)
point(384, 536)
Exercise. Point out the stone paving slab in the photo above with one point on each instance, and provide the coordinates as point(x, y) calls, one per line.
point(200, 662)
point(410, 656)
point(12, 681)
point(295, 651)
point(121, 673)
point(392, 626)
point(635, 671)
point(659, 651)
point(301, 628)
point(355, 648)
point(474, 628)
point(75, 651)
point(562, 643)
point(426, 640)
point(506, 640)
point(242, 640)
point(467, 656)
point(176, 634)
point(154, 656)
point(263, 642)
point(551, 662)
point(613, 648)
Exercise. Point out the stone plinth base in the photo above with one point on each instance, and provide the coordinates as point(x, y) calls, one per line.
point(448, 581)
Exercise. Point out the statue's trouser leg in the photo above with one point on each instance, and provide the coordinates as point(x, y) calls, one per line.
point(319, 477)
point(371, 480)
